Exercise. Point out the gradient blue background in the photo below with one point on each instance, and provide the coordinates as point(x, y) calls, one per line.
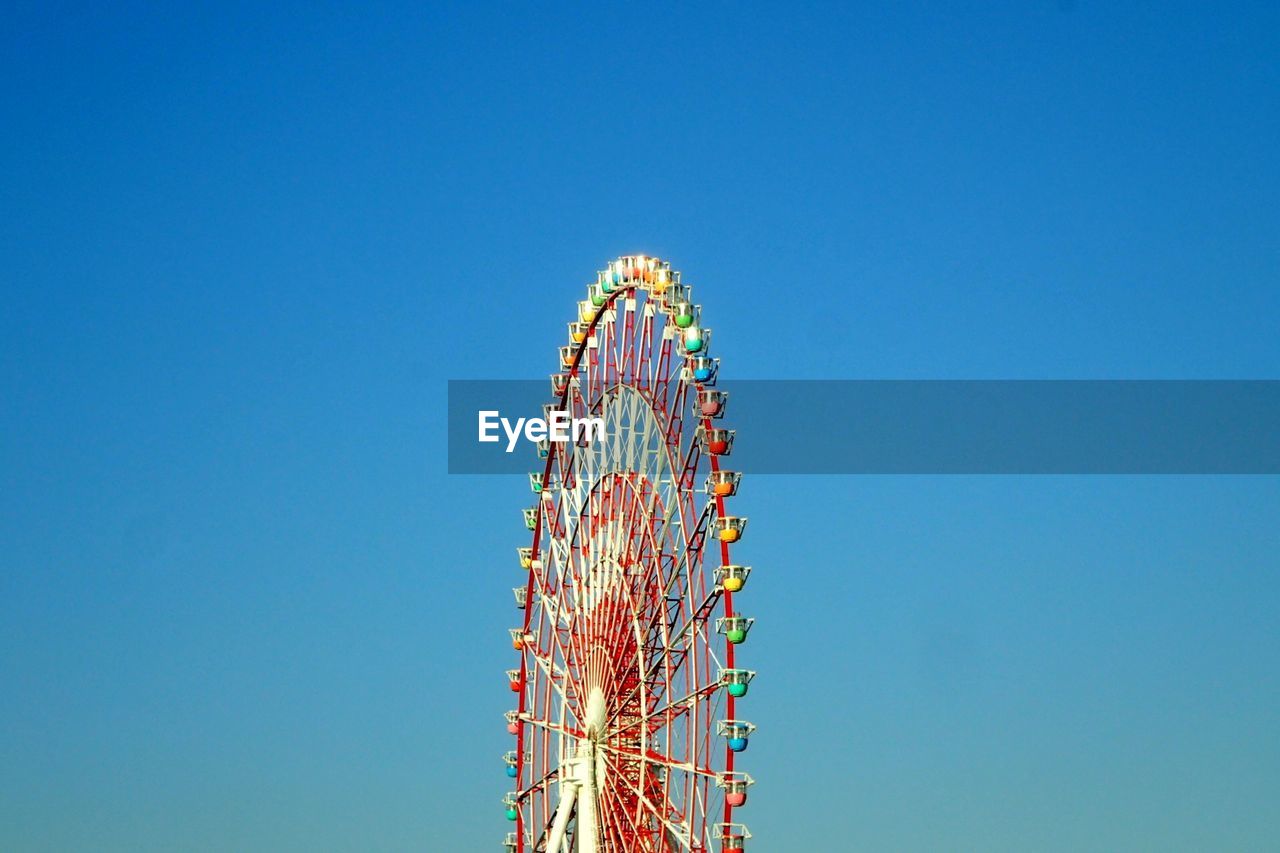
point(243, 608)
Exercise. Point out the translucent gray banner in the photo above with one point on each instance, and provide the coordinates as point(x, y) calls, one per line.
point(941, 426)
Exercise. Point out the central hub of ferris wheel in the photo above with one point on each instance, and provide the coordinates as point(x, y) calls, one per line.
point(625, 725)
point(594, 720)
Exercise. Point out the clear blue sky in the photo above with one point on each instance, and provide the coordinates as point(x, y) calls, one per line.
point(243, 608)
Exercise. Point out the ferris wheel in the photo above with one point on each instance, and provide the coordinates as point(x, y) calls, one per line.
point(627, 690)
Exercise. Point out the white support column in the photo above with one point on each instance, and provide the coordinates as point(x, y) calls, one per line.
point(587, 822)
point(568, 790)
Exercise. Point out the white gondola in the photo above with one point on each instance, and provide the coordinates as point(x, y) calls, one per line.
point(732, 578)
point(723, 484)
point(736, 681)
point(729, 528)
point(735, 786)
point(711, 403)
point(542, 485)
point(695, 340)
point(676, 294)
point(663, 278)
point(733, 837)
point(597, 295)
point(717, 442)
point(735, 628)
point(737, 733)
point(579, 331)
point(684, 313)
point(703, 370)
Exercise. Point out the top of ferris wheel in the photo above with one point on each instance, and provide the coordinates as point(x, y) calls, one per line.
point(642, 270)
point(655, 276)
